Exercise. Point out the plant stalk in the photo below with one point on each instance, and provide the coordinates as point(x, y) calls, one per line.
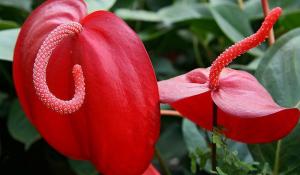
point(170, 113)
point(196, 52)
point(266, 9)
point(277, 158)
point(241, 4)
point(213, 145)
point(162, 163)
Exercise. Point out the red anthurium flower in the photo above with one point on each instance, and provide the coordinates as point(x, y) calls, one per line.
point(109, 113)
point(245, 110)
point(151, 171)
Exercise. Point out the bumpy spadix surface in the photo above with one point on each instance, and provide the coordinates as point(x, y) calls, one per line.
point(40, 69)
point(116, 123)
point(246, 111)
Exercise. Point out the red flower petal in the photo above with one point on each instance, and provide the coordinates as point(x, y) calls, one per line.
point(151, 171)
point(125, 110)
point(119, 120)
point(247, 111)
point(57, 130)
point(189, 94)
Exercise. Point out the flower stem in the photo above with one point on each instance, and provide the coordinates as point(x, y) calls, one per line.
point(213, 145)
point(277, 158)
point(266, 9)
point(196, 52)
point(162, 163)
point(241, 4)
point(170, 113)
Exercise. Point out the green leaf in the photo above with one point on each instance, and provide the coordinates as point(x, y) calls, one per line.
point(3, 96)
point(83, 167)
point(279, 69)
point(184, 11)
point(171, 143)
point(23, 4)
point(152, 33)
point(254, 10)
point(7, 47)
point(279, 72)
point(164, 68)
point(7, 24)
point(242, 149)
point(138, 15)
point(220, 172)
point(222, 1)
point(289, 159)
point(192, 137)
point(179, 12)
point(233, 22)
point(94, 5)
point(19, 127)
point(290, 21)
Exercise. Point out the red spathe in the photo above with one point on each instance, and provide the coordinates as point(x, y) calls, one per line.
point(246, 111)
point(118, 124)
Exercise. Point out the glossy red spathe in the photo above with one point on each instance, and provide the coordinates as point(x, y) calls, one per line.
point(151, 171)
point(117, 122)
point(246, 112)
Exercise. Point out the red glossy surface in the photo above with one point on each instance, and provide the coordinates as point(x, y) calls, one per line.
point(118, 124)
point(246, 111)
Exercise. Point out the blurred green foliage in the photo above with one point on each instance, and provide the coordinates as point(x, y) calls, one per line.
point(180, 35)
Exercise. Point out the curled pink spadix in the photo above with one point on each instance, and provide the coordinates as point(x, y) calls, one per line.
point(242, 47)
point(40, 67)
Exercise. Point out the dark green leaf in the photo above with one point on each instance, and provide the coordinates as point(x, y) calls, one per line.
point(233, 22)
point(83, 167)
point(171, 143)
point(290, 21)
point(7, 24)
point(279, 72)
point(152, 33)
point(20, 128)
point(254, 10)
point(279, 69)
point(220, 172)
point(163, 68)
point(192, 137)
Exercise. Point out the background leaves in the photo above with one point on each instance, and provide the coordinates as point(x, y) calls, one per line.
point(9, 38)
point(279, 72)
point(180, 35)
point(19, 126)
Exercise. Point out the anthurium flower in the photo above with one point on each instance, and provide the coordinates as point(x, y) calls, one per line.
point(87, 84)
point(151, 171)
point(245, 110)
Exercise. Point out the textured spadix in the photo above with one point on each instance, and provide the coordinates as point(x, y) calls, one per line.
point(116, 123)
point(246, 111)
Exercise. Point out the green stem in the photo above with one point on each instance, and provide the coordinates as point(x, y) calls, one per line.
point(162, 163)
point(277, 158)
point(213, 145)
point(241, 4)
point(196, 52)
